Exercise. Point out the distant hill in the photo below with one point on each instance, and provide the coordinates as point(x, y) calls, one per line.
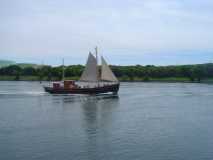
point(25, 65)
point(4, 63)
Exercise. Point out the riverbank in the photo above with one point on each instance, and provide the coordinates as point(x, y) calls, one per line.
point(122, 79)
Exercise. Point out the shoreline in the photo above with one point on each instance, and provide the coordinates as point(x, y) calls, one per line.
point(136, 79)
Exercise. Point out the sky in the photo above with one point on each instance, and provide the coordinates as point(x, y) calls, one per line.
point(127, 32)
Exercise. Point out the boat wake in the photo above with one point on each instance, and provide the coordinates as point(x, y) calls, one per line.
point(4, 94)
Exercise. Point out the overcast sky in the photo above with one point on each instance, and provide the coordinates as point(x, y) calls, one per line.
point(159, 32)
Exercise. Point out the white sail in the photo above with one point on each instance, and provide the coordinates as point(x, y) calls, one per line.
point(90, 71)
point(106, 73)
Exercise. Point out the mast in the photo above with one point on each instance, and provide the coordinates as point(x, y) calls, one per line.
point(63, 69)
point(96, 56)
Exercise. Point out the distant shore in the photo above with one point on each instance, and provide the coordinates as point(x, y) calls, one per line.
point(135, 79)
point(136, 73)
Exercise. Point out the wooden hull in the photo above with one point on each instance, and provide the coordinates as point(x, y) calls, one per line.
point(97, 90)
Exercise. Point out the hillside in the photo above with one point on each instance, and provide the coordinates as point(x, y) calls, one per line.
point(26, 65)
point(4, 63)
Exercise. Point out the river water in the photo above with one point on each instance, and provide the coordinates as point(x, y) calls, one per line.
point(149, 121)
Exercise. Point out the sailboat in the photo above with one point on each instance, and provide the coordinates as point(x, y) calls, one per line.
point(90, 82)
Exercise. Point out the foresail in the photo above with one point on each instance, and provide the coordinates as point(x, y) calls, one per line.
point(90, 71)
point(106, 73)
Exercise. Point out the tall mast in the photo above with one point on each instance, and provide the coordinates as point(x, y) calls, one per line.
point(63, 69)
point(96, 55)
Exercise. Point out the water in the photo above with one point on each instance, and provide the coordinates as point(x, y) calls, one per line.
point(153, 121)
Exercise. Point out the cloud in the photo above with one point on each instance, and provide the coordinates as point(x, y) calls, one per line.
point(71, 28)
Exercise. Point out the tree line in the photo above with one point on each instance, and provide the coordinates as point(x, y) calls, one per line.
point(145, 73)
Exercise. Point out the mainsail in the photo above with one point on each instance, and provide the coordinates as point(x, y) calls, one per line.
point(106, 73)
point(90, 72)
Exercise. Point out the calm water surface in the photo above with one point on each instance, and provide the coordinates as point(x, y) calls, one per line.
point(150, 121)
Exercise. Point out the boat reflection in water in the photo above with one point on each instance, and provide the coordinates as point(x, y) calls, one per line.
point(98, 116)
point(90, 82)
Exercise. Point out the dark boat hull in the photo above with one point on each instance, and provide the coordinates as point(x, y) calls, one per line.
point(97, 90)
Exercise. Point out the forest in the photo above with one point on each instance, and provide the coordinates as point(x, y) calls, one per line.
point(192, 73)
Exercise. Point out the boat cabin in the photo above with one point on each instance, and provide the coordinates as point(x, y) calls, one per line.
point(67, 84)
